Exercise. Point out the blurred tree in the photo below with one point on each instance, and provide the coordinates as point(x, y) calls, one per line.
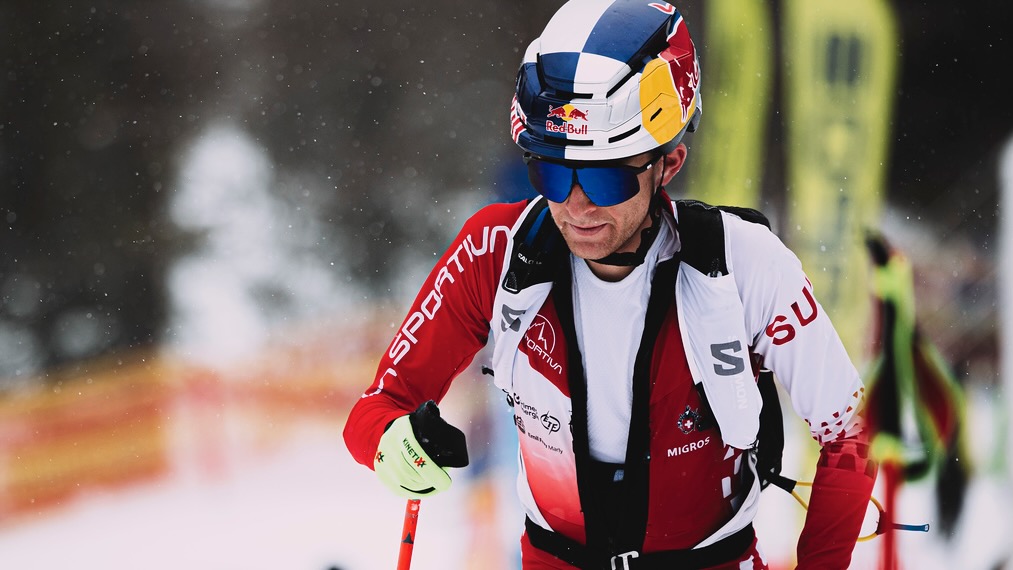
point(371, 115)
point(94, 100)
point(953, 112)
point(386, 111)
point(376, 118)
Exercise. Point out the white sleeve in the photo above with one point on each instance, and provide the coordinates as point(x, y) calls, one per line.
point(792, 332)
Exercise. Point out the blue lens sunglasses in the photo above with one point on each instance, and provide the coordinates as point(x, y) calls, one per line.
point(605, 185)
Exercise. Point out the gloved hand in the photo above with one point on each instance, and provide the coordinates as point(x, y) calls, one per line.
point(415, 451)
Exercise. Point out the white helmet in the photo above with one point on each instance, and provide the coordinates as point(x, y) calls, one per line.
point(607, 79)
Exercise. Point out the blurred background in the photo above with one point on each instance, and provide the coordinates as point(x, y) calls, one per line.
point(214, 213)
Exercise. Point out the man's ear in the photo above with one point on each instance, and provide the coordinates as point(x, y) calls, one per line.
point(673, 163)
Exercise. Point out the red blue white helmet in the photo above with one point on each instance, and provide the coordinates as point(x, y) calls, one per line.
point(607, 79)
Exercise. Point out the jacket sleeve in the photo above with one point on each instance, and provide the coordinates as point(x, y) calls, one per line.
point(845, 475)
point(447, 324)
point(797, 341)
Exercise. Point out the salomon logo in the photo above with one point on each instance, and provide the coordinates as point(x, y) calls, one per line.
point(511, 319)
point(735, 364)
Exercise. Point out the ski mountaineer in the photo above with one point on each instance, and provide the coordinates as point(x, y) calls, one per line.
point(627, 335)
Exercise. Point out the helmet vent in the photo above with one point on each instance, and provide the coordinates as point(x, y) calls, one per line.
point(624, 135)
point(565, 96)
point(558, 141)
point(619, 85)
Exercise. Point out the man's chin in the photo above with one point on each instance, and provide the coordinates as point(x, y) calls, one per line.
point(588, 251)
point(591, 248)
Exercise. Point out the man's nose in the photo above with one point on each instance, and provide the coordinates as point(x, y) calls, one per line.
point(577, 201)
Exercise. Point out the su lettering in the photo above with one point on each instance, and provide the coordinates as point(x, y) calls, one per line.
point(782, 329)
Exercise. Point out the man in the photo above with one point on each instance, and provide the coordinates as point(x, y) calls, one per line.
point(631, 369)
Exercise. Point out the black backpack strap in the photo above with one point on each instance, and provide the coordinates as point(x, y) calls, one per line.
point(701, 231)
point(538, 250)
point(702, 237)
point(770, 440)
point(748, 214)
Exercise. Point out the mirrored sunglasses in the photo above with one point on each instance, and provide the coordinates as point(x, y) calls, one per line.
point(605, 185)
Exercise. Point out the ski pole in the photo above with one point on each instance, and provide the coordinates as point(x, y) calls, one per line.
point(882, 526)
point(411, 521)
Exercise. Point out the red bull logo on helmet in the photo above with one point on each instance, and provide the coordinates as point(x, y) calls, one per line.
point(685, 70)
point(668, 86)
point(566, 113)
point(557, 112)
point(577, 114)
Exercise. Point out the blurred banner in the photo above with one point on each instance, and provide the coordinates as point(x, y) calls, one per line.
point(738, 47)
point(97, 430)
point(840, 61)
point(110, 424)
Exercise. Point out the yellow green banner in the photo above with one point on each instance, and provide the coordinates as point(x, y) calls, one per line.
point(737, 59)
point(840, 64)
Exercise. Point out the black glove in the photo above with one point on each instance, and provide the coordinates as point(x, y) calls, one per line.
point(442, 441)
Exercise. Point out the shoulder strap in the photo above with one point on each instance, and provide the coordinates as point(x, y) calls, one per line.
point(702, 233)
point(770, 440)
point(538, 247)
point(701, 230)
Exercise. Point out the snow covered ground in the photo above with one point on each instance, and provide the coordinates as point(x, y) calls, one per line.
point(307, 506)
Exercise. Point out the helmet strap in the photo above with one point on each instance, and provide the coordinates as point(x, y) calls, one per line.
point(647, 236)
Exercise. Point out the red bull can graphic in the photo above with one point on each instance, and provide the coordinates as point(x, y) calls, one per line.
point(566, 113)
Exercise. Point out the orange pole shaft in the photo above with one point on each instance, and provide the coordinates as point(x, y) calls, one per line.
point(411, 521)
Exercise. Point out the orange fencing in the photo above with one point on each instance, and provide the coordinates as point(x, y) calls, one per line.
point(85, 432)
point(112, 423)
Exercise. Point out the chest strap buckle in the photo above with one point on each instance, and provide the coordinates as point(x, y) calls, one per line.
point(624, 560)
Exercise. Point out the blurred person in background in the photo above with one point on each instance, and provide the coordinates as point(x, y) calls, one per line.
point(628, 330)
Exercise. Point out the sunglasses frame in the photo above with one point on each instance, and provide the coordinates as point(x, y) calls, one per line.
point(594, 196)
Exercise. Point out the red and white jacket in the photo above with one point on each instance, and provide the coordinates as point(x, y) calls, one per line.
point(696, 495)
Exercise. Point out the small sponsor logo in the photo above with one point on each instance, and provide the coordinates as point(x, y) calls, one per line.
point(550, 423)
point(692, 420)
point(728, 364)
point(511, 318)
point(523, 408)
point(540, 340)
point(541, 333)
point(566, 113)
point(688, 420)
point(566, 128)
point(412, 454)
point(576, 113)
point(548, 446)
point(689, 447)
